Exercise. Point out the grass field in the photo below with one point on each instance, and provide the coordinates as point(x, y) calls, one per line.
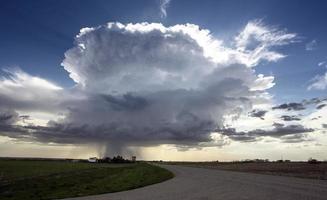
point(29, 180)
point(295, 169)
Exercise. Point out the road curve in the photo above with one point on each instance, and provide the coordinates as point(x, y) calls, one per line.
point(208, 184)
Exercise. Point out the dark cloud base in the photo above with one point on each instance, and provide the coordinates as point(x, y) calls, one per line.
point(278, 131)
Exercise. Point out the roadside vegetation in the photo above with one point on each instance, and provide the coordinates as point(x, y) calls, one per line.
point(30, 179)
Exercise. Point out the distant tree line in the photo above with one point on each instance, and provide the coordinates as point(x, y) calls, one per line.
point(309, 161)
point(115, 159)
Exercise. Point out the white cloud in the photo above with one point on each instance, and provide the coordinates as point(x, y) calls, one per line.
point(163, 8)
point(195, 42)
point(256, 40)
point(20, 90)
point(318, 83)
point(316, 118)
point(263, 82)
point(312, 45)
point(17, 78)
point(323, 63)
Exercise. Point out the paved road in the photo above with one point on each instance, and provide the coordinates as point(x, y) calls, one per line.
point(208, 184)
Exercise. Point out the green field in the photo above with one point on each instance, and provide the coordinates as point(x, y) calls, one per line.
point(26, 179)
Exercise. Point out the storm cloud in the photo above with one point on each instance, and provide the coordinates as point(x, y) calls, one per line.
point(147, 84)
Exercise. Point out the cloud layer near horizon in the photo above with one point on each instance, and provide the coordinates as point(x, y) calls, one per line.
point(147, 84)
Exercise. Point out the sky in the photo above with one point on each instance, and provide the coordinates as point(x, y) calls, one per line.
point(163, 79)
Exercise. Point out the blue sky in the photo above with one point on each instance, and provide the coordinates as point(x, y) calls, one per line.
point(71, 81)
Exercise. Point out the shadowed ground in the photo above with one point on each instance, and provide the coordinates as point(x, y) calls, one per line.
point(206, 184)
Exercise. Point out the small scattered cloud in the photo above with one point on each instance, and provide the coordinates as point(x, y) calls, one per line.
point(294, 118)
point(312, 45)
point(290, 106)
point(163, 8)
point(278, 131)
point(296, 138)
point(321, 106)
point(258, 113)
point(290, 118)
point(323, 63)
point(319, 82)
point(256, 40)
point(314, 101)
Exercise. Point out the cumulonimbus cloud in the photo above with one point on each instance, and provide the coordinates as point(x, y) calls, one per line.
point(147, 84)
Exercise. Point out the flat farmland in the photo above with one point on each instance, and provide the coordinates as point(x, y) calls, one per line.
point(294, 169)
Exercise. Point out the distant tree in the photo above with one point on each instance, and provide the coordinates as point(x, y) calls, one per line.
point(313, 161)
point(119, 159)
point(105, 160)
